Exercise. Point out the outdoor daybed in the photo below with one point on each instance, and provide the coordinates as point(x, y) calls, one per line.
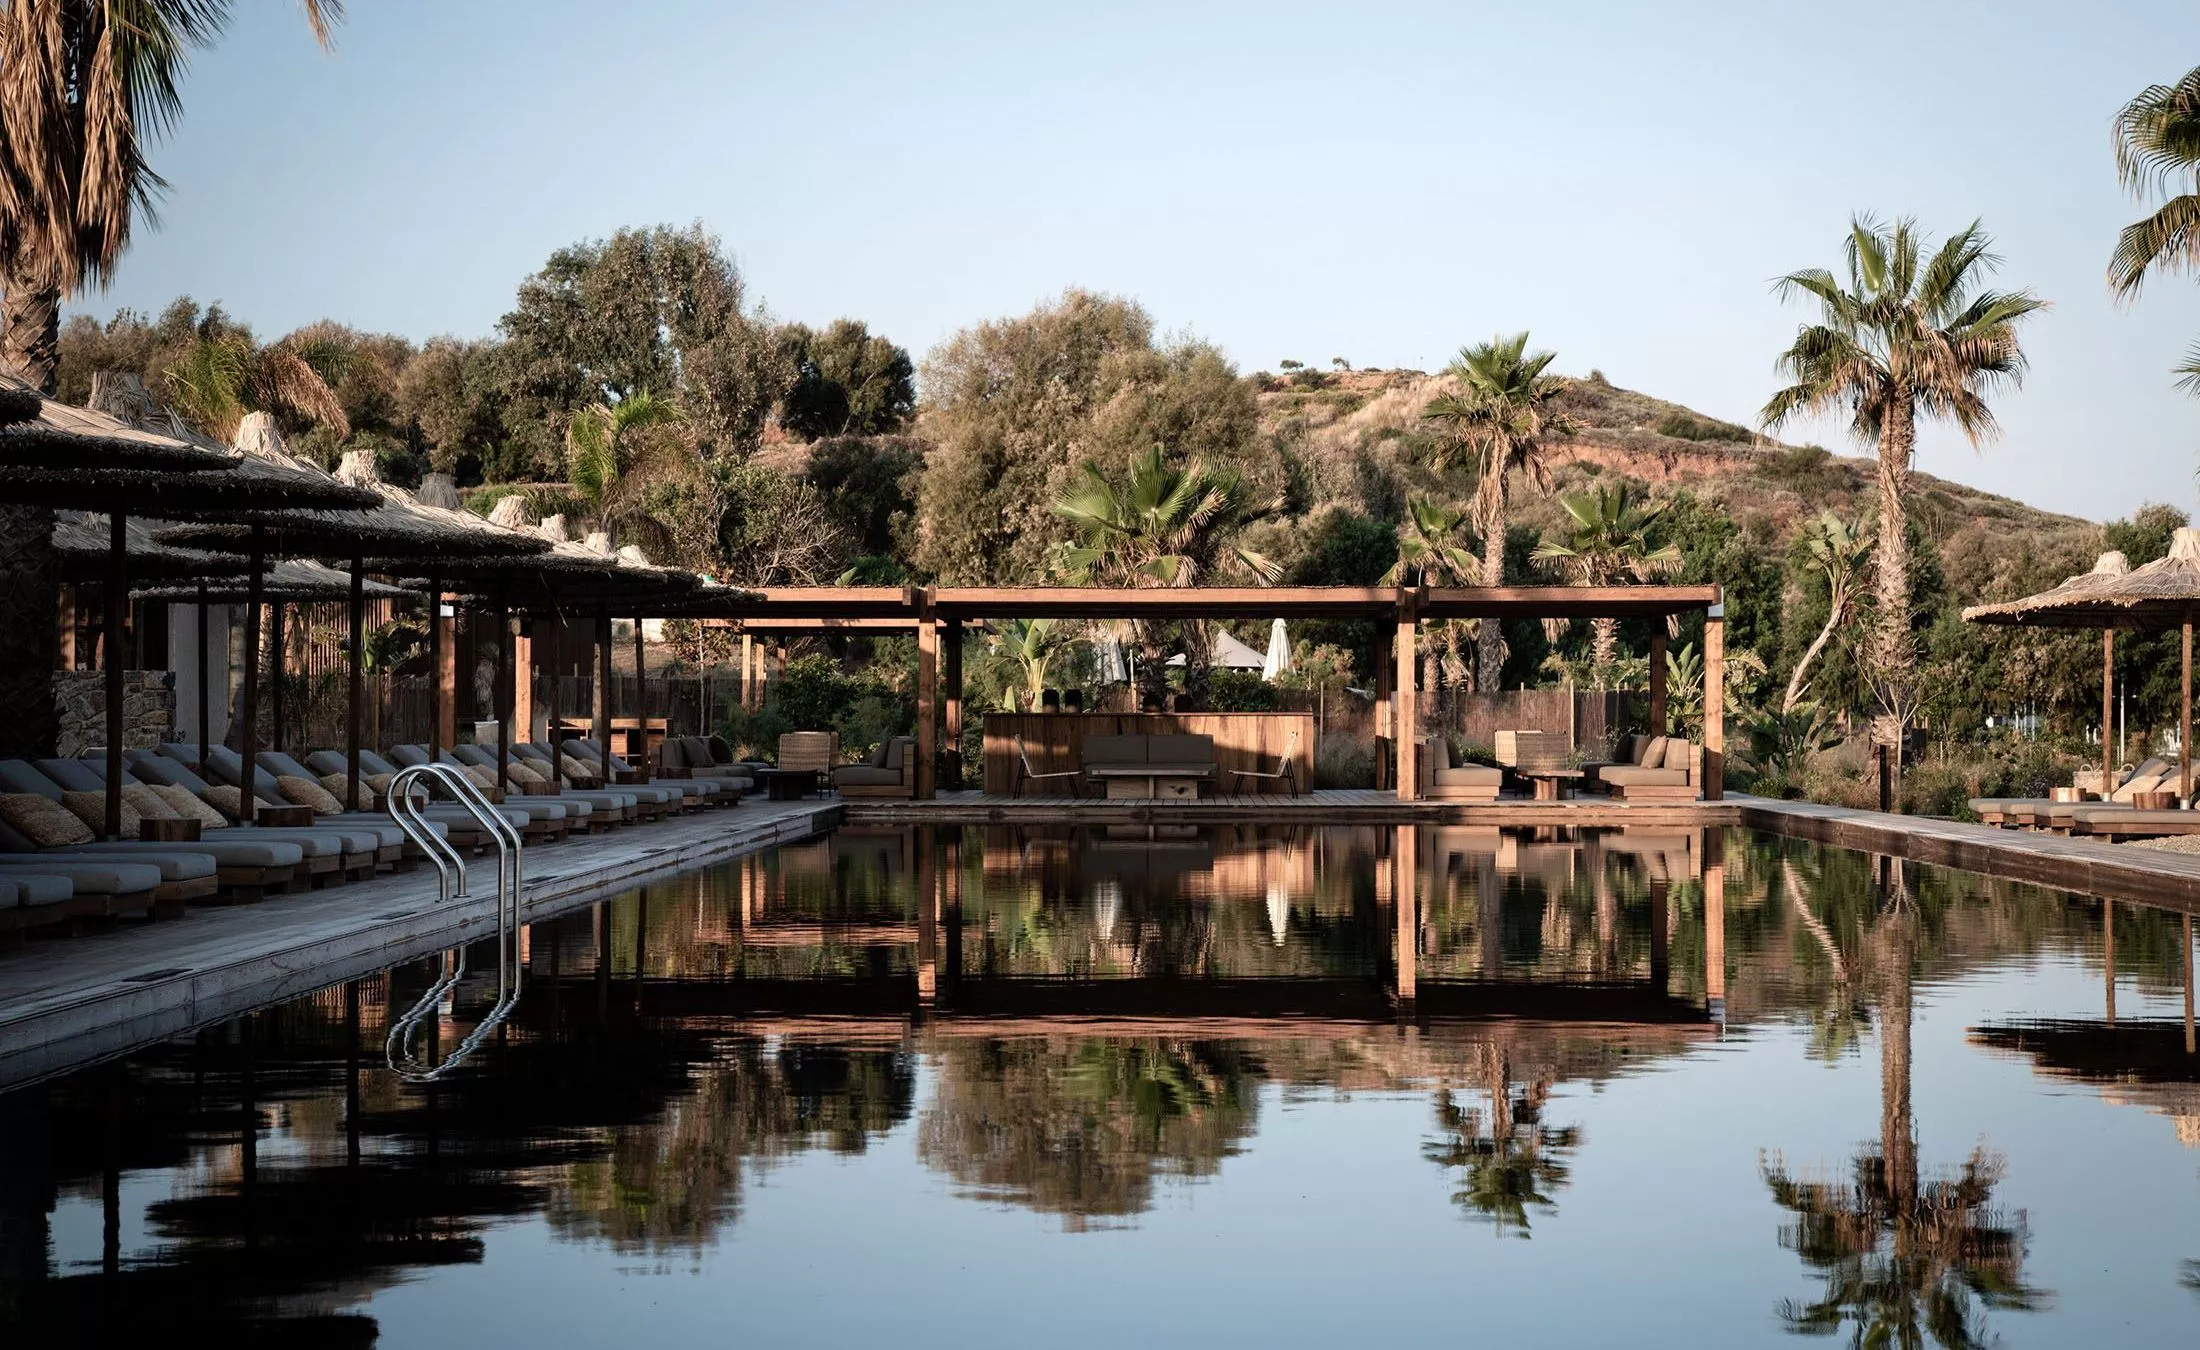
point(1656, 769)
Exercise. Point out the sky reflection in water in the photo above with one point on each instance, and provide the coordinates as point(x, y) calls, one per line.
point(991, 1088)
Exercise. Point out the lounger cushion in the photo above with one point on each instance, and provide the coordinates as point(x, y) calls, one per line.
point(236, 849)
point(91, 808)
point(176, 862)
point(866, 775)
point(30, 891)
point(90, 876)
point(20, 776)
point(44, 822)
point(1469, 775)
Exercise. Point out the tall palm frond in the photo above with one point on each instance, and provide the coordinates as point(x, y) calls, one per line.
point(2157, 140)
point(1610, 543)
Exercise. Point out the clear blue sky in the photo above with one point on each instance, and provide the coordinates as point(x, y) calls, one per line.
point(1382, 182)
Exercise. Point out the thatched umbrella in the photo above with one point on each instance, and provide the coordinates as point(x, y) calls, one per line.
point(122, 470)
point(2164, 593)
point(394, 522)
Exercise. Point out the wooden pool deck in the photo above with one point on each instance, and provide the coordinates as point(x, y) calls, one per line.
point(66, 1002)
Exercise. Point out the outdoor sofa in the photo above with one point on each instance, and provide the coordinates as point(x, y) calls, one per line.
point(1655, 769)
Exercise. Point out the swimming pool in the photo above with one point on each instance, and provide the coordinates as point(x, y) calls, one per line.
point(1003, 1087)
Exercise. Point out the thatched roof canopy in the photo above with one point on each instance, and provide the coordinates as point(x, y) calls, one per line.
point(39, 432)
point(393, 521)
point(85, 539)
point(293, 580)
point(2161, 594)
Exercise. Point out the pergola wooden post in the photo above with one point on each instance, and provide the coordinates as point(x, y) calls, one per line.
point(435, 666)
point(523, 681)
point(206, 671)
point(639, 745)
point(2108, 712)
point(1657, 682)
point(506, 687)
point(928, 694)
point(248, 730)
point(1405, 715)
point(2184, 724)
point(1714, 921)
point(446, 674)
point(1714, 703)
point(1405, 912)
point(276, 640)
point(117, 600)
point(355, 616)
point(599, 715)
point(951, 699)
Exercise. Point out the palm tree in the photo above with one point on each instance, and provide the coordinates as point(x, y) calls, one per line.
point(1839, 550)
point(2157, 152)
point(1908, 335)
point(1611, 544)
point(1436, 546)
point(85, 85)
point(1164, 525)
point(1499, 414)
point(1513, 1161)
point(223, 375)
point(1032, 644)
point(1903, 1260)
point(616, 453)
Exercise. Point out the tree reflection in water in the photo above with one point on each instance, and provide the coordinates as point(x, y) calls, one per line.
point(1081, 1129)
point(1903, 1260)
point(1512, 1159)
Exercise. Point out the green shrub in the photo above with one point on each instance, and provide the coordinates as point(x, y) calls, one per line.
point(1683, 426)
point(815, 694)
point(1240, 691)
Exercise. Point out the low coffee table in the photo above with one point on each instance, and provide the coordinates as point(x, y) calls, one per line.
point(787, 785)
point(1551, 784)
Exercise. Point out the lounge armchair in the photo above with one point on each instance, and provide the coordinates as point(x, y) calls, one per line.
point(1441, 780)
point(891, 771)
point(1657, 769)
point(1027, 773)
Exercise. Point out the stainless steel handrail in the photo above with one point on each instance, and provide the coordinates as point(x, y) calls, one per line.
point(407, 794)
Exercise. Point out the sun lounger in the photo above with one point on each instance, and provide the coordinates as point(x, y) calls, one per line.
point(330, 853)
point(103, 886)
point(2095, 821)
point(457, 823)
point(228, 767)
point(245, 868)
point(675, 796)
point(614, 806)
point(543, 813)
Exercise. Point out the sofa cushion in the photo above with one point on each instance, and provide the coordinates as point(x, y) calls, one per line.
point(1679, 754)
point(1193, 751)
point(1113, 750)
point(1650, 752)
point(866, 775)
point(1635, 775)
point(43, 821)
point(1469, 775)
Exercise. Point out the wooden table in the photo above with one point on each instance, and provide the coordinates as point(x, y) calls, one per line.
point(787, 785)
point(1550, 784)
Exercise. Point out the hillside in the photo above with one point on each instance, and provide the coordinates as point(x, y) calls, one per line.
point(1349, 423)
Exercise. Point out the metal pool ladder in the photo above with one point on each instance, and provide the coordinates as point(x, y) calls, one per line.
point(408, 794)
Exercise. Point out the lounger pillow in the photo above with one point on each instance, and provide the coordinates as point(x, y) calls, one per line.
point(91, 808)
point(523, 775)
point(305, 792)
point(226, 799)
point(148, 803)
point(334, 785)
point(581, 773)
point(43, 821)
point(182, 801)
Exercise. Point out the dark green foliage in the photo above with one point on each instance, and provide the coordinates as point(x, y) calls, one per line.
point(1806, 470)
point(1688, 428)
point(869, 484)
point(1240, 691)
point(1736, 554)
point(817, 695)
point(845, 382)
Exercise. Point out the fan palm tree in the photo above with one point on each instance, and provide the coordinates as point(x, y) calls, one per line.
point(1611, 544)
point(617, 453)
point(2157, 154)
point(1499, 415)
point(1904, 1260)
point(1163, 525)
point(1839, 550)
point(85, 86)
point(1908, 335)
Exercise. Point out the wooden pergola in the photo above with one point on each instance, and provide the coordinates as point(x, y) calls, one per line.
point(936, 614)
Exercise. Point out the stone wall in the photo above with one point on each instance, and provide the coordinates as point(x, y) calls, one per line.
point(148, 708)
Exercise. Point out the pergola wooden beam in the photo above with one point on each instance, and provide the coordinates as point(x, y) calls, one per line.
point(885, 608)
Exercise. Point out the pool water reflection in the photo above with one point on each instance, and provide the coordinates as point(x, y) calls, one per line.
point(1293, 1086)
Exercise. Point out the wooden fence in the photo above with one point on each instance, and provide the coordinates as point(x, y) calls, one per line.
point(1588, 719)
point(1055, 741)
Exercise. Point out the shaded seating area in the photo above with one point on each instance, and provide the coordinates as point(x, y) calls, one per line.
point(1655, 768)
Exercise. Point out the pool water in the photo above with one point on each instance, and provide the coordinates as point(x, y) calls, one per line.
point(1268, 1086)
